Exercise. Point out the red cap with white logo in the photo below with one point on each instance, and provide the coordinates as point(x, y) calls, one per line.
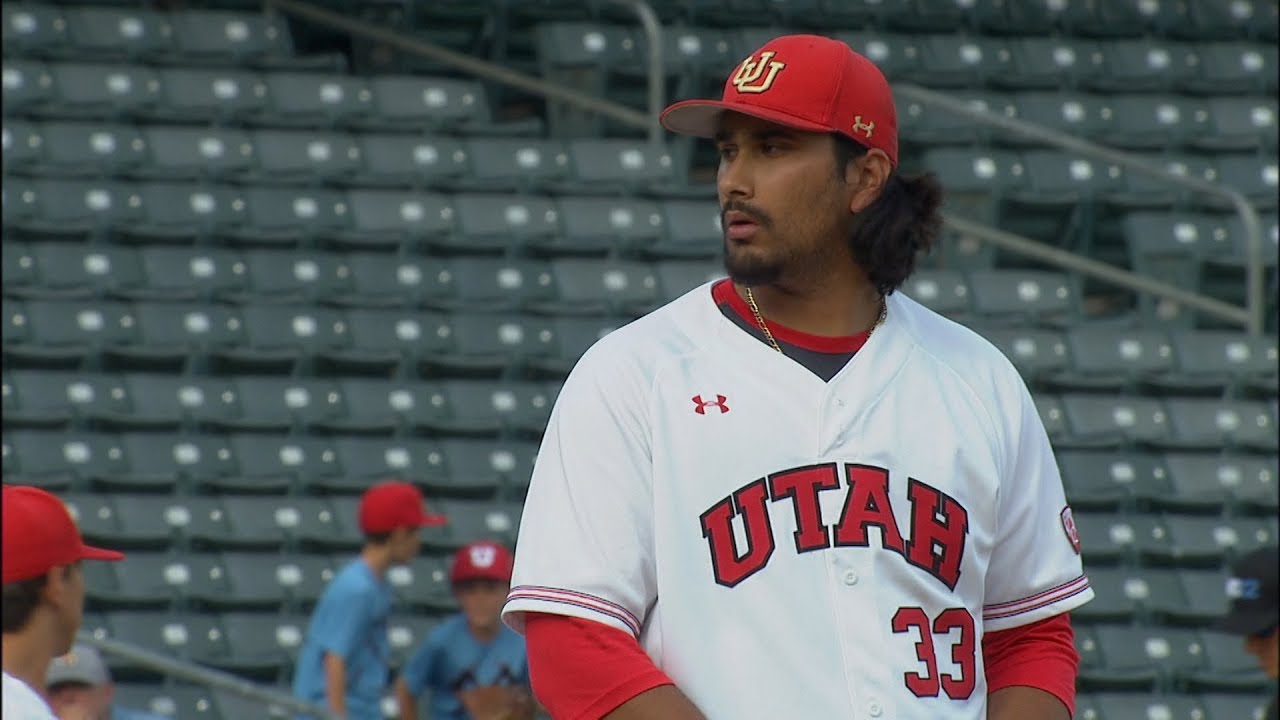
point(481, 560)
point(806, 82)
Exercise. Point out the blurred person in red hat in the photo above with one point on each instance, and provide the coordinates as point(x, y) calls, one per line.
point(473, 666)
point(43, 600)
point(345, 657)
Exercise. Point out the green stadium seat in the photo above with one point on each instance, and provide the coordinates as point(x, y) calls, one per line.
point(159, 462)
point(1108, 479)
point(117, 33)
point(493, 284)
point(189, 153)
point(957, 60)
point(1037, 353)
point(1080, 115)
point(172, 336)
point(260, 646)
point(343, 535)
point(1028, 17)
point(175, 212)
point(66, 333)
point(288, 276)
point(943, 291)
point(1115, 538)
point(1121, 595)
point(54, 399)
point(479, 468)
point(398, 160)
point(1225, 706)
point(76, 209)
point(84, 90)
point(1144, 65)
point(303, 157)
point(269, 404)
point(1141, 658)
point(515, 164)
point(476, 407)
point(1198, 602)
point(407, 632)
point(1204, 423)
point(1208, 19)
point(380, 340)
point(599, 286)
point(1255, 176)
point(1212, 360)
point(376, 406)
point(59, 461)
point(91, 149)
point(423, 104)
point(19, 267)
point(1233, 67)
point(254, 523)
point(75, 271)
point(573, 335)
point(28, 85)
point(157, 522)
point(314, 100)
point(272, 581)
point(24, 145)
point(931, 126)
point(1239, 124)
point(1211, 482)
point(1059, 179)
point(677, 277)
point(1207, 542)
point(423, 585)
point(1109, 421)
point(692, 230)
point(1041, 297)
point(1042, 62)
point(382, 280)
point(599, 225)
point(16, 327)
point(223, 37)
point(1120, 705)
point(618, 166)
point(277, 216)
point(367, 460)
point(1142, 191)
point(193, 94)
point(488, 222)
point(896, 54)
point(1154, 122)
point(1228, 668)
point(1122, 18)
point(489, 343)
point(161, 581)
point(34, 30)
point(187, 636)
point(975, 179)
point(1104, 358)
point(388, 219)
point(471, 520)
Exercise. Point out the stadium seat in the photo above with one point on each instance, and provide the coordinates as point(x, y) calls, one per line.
point(479, 468)
point(1044, 298)
point(598, 286)
point(423, 585)
point(1154, 122)
point(379, 280)
point(943, 291)
point(1037, 353)
point(471, 520)
point(1110, 479)
point(72, 149)
point(934, 126)
point(379, 406)
point(33, 30)
point(1239, 124)
point(227, 37)
point(1118, 705)
point(1254, 176)
point(515, 164)
point(975, 180)
point(73, 270)
point(188, 636)
point(161, 462)
point(1121, 595)
point(1233, 67)
point(117, 33)
point(618, 166)
point(66, 333)
point(1111, 359)
point(60, 461)
point(76, 209)
point(269, 404)
point(573, 335)
point(418, 104)
point(896, 54)
point(601, 225)
point(1202, 423)
point(1142, 658)
point(84, 90)
point(225, 94)
point(286, 276)
point(173, 335)
point(1213, 360)
point(1078, 114)
point(1047, 63)
point(692, 229)
point(160, 581)
point(1059, 179)
point(488, 222)
point(260, 646)
point(1115, 538)
point(1227, 667)
point(277, 336)
point(489, 344)
point(190, 153)
point(269, 581)
point(1143, 65)
point(178, 701)
point(306, 157)
point(368, 460)
point(399, 160)
point(186, 213)
point(158, 522)
point(1109, 421)
point(1049, 408)
point(1224, 706)
point(481, 408)
point(957, 60)
point(274, 463)
point(254, 523)
point(313, 100)
point(1193, 541)
point(1211, 482)
point(42, 399)
point(23, 144)
point(388, 219)
point(28, 85)
point(380, 340)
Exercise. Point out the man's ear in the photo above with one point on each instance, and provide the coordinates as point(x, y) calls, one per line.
point(867, 176)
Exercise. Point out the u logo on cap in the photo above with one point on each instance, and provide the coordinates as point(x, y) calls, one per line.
point(751, 76)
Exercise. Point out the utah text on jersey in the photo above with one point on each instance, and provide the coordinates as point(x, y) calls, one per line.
point(784, 546)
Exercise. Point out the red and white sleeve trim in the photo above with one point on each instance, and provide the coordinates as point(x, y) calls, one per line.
point(534, 598)
point(1035, 602)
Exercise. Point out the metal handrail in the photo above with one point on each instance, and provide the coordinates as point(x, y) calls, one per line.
point(1253, 315)
point(204, 676)
point(475, 66)
point(657, 81)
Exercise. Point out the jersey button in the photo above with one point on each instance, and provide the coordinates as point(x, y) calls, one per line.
point(851, 578)
point(874, 709)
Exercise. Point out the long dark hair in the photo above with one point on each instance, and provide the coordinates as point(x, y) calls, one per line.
point(888, 236)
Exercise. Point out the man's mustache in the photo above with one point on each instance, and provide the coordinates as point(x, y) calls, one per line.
point(757, 215)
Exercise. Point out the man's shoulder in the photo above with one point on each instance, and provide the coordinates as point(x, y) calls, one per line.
point(20, 702)
point(672, 330)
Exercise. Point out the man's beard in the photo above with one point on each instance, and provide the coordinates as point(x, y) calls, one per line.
point(750, 271)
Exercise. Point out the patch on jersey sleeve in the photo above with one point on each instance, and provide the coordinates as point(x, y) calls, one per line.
point(1069, 527)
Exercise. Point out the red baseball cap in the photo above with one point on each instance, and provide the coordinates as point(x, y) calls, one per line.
point(481, 560)
point(807, 82)
point(394, 504)
point(40, 534)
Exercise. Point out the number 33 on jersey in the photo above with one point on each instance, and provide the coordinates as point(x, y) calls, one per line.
point(783, 546)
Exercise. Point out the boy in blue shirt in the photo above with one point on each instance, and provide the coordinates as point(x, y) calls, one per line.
point(473, 664)
point(344, 660)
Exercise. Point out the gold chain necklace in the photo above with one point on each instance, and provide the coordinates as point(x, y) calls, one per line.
point(764, 327)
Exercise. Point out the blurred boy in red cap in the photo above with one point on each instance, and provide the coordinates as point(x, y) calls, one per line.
point(474, 666)
point(43, 600)
point(345, 658)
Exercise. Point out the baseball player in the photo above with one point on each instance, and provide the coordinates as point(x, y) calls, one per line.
point(345, 657)
point(1253, 589)
point(474, 666)
point(795, 493)
point(80, 688)
point(43, 594)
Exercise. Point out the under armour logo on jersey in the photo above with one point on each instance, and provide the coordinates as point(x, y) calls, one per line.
point(702, 405)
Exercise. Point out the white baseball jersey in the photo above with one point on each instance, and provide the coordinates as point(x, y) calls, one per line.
point(787, 547)
point(20, 702)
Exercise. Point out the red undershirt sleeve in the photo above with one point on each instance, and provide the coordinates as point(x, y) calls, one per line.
point(582, 669)
point(1040, 655)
